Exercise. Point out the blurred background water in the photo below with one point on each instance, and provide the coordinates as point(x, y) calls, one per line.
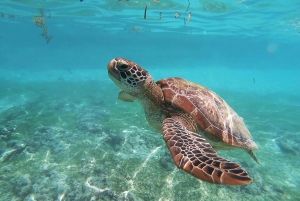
point(64, 135)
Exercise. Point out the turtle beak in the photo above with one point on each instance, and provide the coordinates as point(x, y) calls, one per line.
point(113, 72)
point(112, 69)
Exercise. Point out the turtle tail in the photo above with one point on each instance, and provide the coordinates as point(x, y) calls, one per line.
point(250, 152)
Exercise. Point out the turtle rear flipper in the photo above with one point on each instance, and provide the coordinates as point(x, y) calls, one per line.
point(192, 153)
point(250, 152)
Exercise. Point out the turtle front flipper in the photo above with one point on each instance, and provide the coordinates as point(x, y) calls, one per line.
point(126, 97)
point(196, 156)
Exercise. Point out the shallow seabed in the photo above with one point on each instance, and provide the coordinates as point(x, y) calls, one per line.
point(64, 135)
point(71, 139)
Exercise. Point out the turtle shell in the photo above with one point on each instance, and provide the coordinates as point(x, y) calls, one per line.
point(212, 114)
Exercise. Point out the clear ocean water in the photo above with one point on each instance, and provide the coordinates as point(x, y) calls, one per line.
point(64, 135)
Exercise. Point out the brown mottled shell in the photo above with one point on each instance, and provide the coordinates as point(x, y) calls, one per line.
point(212, 114)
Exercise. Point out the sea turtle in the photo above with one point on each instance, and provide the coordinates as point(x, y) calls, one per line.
point(193, 120)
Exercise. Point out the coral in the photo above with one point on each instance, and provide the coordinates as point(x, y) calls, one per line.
point(51, 185)
point(6, 131)
point(89, 123)
point(22, 186)
point(114, 140)
point(48, 136)
point(88, 166)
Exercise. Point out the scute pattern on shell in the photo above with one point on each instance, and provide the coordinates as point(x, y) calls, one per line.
point(212, 114)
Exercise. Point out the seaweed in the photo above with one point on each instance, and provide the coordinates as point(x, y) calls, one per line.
point(40, 22)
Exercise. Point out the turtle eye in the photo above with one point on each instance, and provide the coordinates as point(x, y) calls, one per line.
point(122, 66)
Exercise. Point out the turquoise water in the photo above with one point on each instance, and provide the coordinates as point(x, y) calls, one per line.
point(64, 135)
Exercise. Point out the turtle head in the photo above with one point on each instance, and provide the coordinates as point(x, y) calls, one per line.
point(128, 76)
